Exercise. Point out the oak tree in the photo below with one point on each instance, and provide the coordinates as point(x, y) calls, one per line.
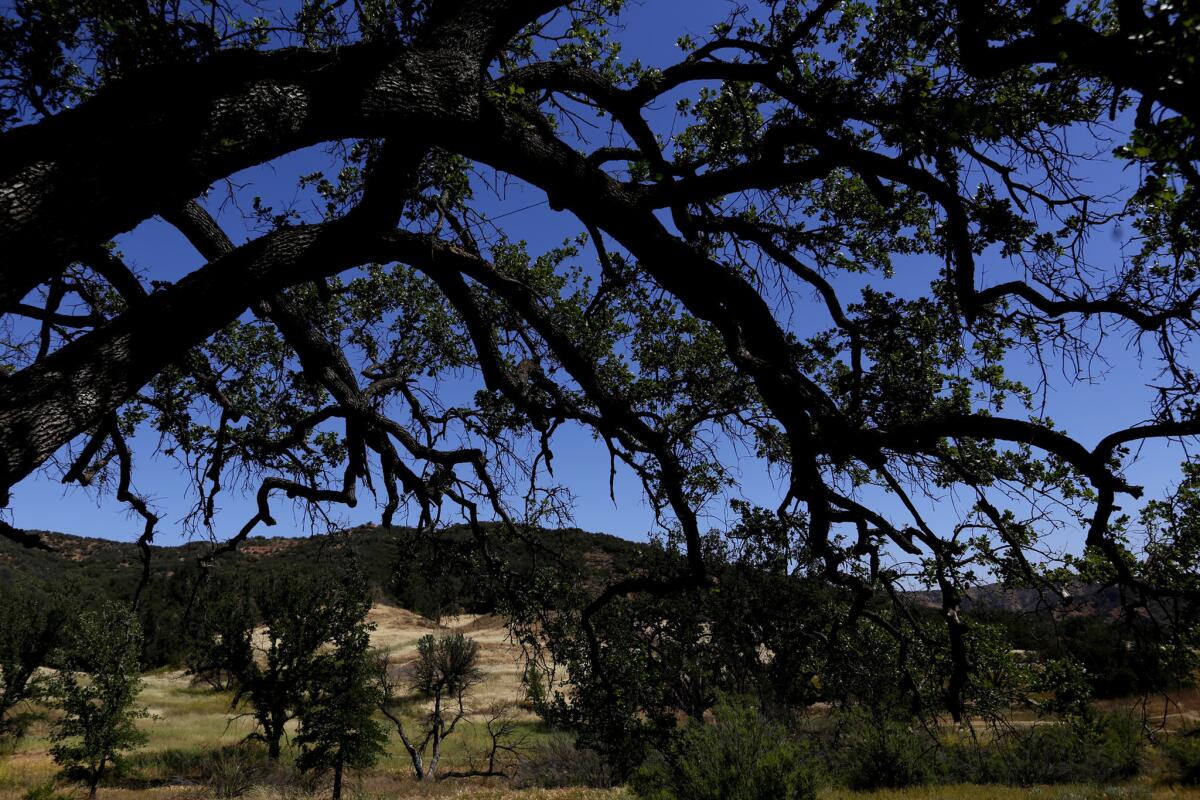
point(341, 693)
point(96, 689)
point(742, 210)
point(275, 642)
point(31, 627)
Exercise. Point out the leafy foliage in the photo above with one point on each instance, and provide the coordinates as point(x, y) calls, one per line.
point(271, 642)
point(861, 257)
point(31, 627)
point(1184, 750)
point(337, 729)
point(96, 690)
point(739, 756)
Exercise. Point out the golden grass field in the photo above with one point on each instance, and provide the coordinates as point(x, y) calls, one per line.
point(190, 725)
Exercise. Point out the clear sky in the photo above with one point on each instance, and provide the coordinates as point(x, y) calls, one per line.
point(650, 30)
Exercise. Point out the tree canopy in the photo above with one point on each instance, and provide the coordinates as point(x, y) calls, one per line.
point(744, 208)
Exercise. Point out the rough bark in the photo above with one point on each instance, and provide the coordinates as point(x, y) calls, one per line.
point(150, 143)
point(47, 404)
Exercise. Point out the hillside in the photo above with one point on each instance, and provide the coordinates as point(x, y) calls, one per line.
point(115, 567)
point(1084, 601)
point(433, 577)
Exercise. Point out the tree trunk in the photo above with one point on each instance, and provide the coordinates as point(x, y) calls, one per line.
point(94, 781)
point(273, 733)
point(337, 777)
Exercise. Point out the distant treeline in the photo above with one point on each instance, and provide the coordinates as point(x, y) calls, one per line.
point(445, 574)
point(432, 576)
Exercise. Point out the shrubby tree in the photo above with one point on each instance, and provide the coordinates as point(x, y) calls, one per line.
point(727, 288)
point(215, 636)
point(31, 625)
point(443, 673)
point(740, 755)
point(434, 576)
point(1184, 750)
point(533, 684)
point(1173, 550)
point(342, 693)
point(769, 628)
point(96, 690)
point(271, 641)
point(164, 607)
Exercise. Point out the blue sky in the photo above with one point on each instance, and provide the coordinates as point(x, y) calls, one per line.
point(650, 31)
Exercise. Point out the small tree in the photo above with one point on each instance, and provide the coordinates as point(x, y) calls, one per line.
point(506, 743)
point(336, 726)
point(218, 622)
point(30, 627)
point(534, 683)
point(270, 644)
point(446, 669)
point(99, 715)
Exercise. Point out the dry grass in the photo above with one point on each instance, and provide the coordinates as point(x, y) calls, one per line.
point(457, 791)
point(976, 792)
point(191, 724)
point(1178, 710)
point(398, 630)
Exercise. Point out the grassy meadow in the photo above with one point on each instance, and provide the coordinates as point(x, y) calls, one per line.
point(193, 735)
point(194, 748)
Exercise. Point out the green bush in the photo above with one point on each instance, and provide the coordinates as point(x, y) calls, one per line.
point(887, 753)
point(866, 752)
point(1104, 749)
point(741, 756)
point(45, 791)
point(1121, 741)
point(1184, 750)
point(534, 684)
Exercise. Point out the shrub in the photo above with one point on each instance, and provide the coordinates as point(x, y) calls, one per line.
point(560, 764)
point(741, 756)
point(1184, 751)
point(535, 688)
point(1121, 741)
point(865, 752)
point(45, 791)
point(886, 753)
point(229, 776)
point(1106, 748)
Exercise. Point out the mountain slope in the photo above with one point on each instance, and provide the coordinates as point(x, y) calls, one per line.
point(115, 567)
